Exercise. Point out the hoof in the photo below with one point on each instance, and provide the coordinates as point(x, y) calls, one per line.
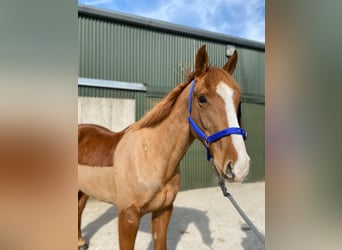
point(83, 247)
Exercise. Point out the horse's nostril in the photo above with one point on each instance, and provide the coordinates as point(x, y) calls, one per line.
point(229, 172)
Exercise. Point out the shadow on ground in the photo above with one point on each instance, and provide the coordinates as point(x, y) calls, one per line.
point(180, 220)
point(250, 241)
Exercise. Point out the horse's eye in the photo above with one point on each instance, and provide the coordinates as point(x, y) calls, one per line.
point(202, 99)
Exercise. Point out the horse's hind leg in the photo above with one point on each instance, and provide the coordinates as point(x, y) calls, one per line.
point(82, 200)
point(160, 222)
point(129, 220)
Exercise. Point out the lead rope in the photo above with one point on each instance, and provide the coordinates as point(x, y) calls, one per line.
point(243, 215)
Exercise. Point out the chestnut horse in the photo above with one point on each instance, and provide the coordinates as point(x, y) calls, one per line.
point(137, 169)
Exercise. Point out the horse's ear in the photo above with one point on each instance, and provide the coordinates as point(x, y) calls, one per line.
point(201, 61)
point(231, 64)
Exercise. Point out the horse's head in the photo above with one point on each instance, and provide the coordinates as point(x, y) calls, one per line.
point(214, 107)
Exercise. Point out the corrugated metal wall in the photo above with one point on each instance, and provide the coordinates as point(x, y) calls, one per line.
point(115, 51)
point(118, 51)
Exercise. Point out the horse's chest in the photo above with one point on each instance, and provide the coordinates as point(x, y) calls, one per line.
point(165, 196)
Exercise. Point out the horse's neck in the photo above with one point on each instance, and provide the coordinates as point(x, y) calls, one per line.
point(174, 131)
point(164, 143)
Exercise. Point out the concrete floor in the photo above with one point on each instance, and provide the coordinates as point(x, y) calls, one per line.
point(201, 219)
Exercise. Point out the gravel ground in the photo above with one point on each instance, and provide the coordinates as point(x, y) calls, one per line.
point(201, 219)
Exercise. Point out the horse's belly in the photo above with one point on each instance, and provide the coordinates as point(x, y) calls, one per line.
point(97, 182)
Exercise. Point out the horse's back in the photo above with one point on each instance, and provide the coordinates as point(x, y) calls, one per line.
point(96, 145)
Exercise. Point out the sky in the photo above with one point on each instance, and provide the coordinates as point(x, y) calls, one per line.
point(238, 18)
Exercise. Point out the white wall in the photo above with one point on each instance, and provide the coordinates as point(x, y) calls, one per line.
point(115, 114)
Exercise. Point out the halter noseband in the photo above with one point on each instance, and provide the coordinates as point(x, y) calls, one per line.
point(216, 136)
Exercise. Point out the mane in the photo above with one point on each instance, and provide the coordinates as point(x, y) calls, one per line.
point(162, 110)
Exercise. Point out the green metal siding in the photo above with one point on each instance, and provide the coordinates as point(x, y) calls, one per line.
point(253, 120)
point(140, 109)
point(196, 171)
point(250, 73)
point(114, 50)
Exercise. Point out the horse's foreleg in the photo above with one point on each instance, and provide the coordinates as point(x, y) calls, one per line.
point(129, 220)
point(82, 200)
point(160, 222)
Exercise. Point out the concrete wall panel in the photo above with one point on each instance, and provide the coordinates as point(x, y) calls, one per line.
point(115, 114)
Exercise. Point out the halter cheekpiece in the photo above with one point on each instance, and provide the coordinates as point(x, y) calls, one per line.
point(216, 136)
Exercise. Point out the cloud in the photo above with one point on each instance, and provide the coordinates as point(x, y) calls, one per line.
point(236, 18)
point(95, 2)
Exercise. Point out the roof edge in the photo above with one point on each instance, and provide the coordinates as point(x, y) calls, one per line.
point(92, 82)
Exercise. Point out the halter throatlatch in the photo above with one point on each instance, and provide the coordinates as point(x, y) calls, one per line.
point(216, 136)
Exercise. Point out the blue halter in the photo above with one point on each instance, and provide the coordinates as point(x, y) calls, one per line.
point(216, 136)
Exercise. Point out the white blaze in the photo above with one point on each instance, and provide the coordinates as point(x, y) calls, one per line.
point(241, 166)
